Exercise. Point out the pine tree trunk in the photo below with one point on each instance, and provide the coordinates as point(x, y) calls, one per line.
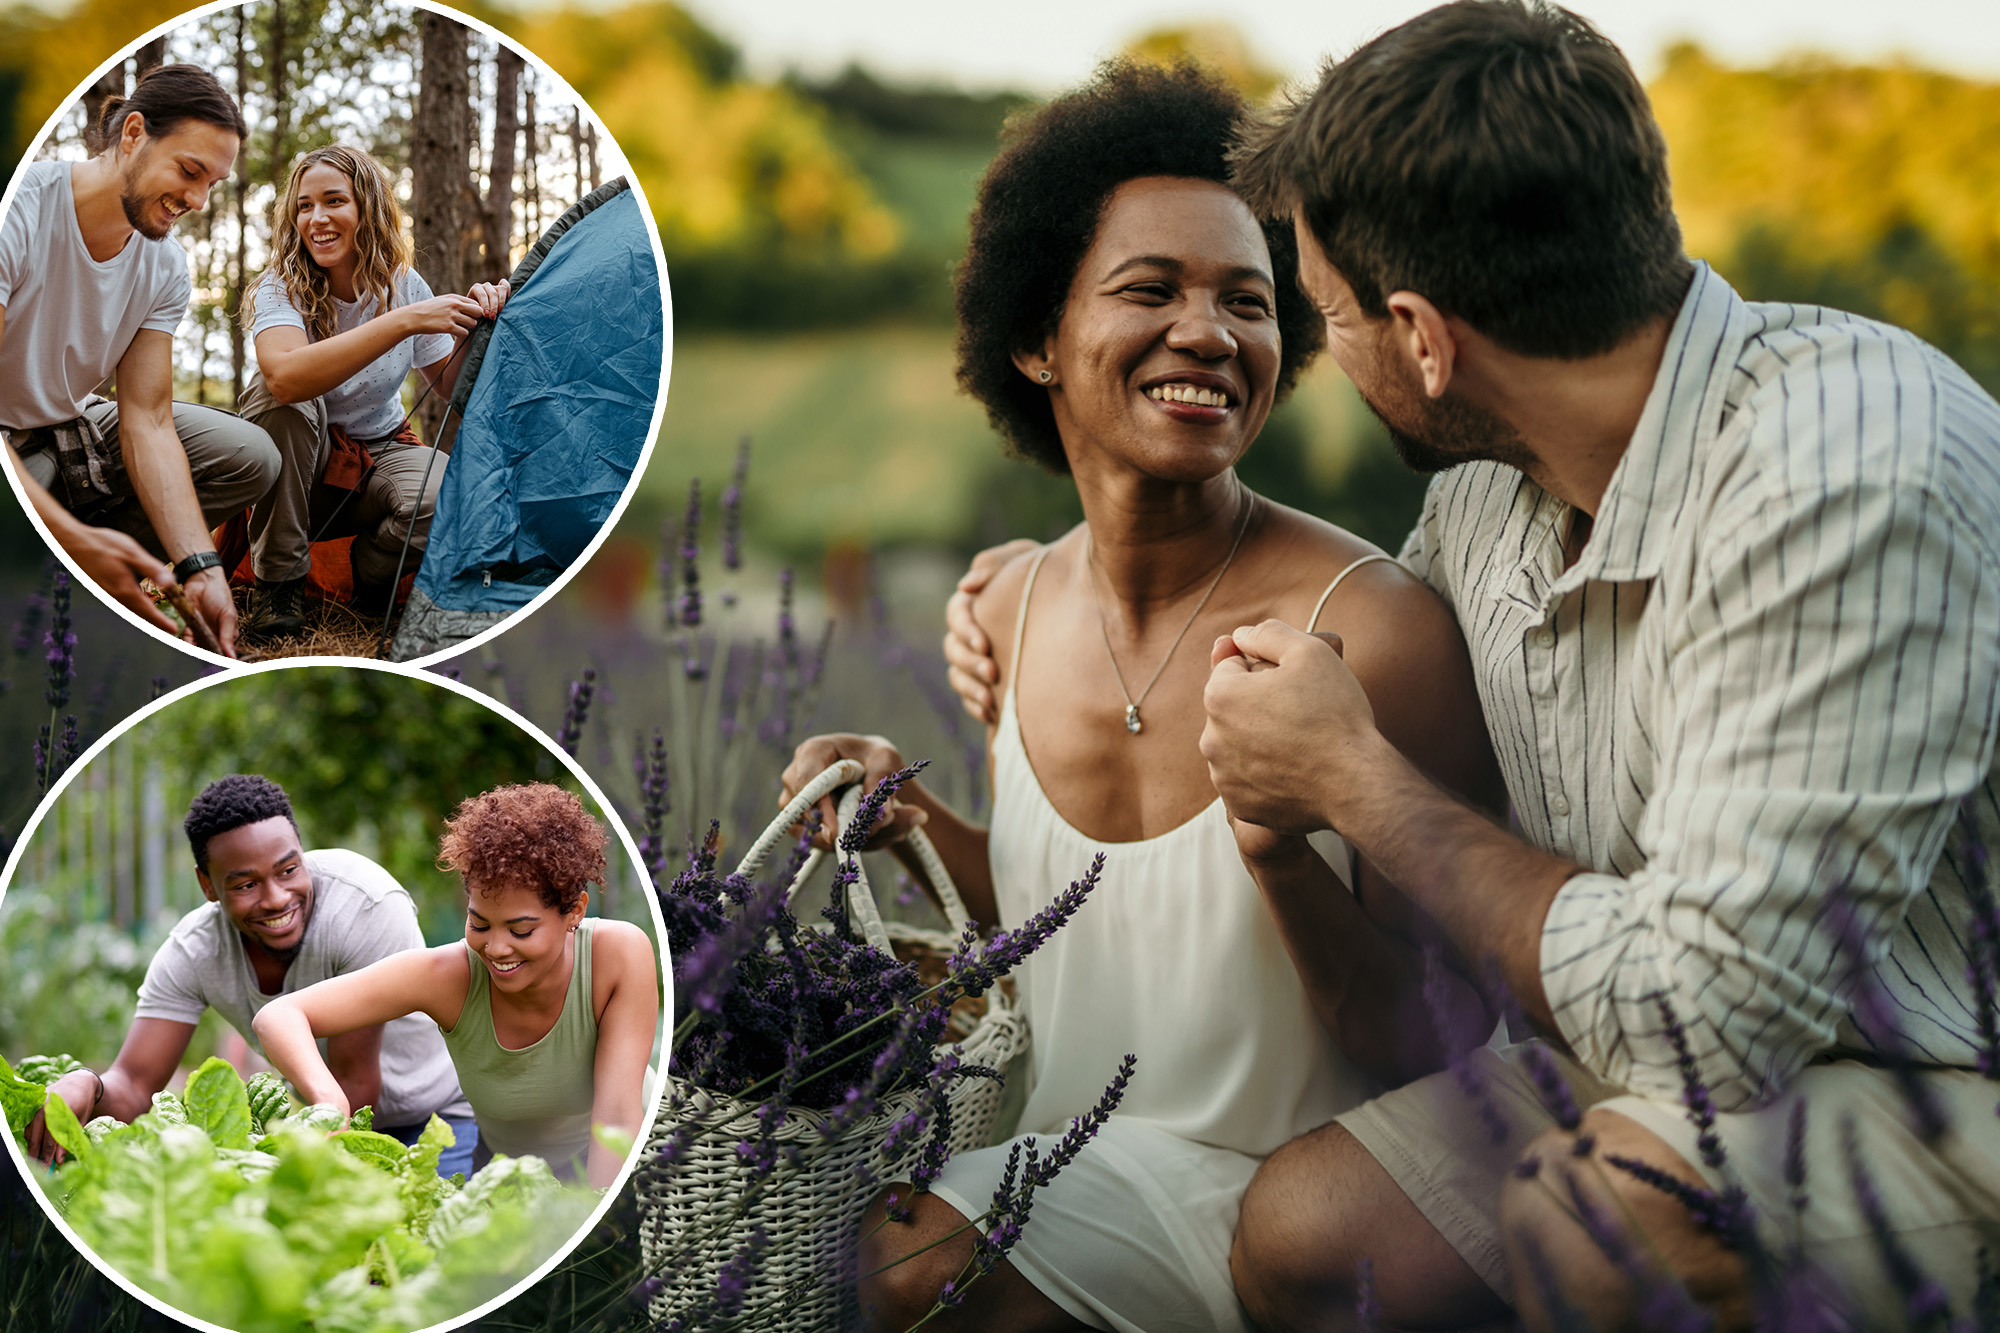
point(498, 214)
point(235, 305)
point(440, 178)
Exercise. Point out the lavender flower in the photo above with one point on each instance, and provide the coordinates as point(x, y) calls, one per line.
point(30, 622)
point(1724, 1213)
point(1551, 1085)
point(869, 812)
point(1924, 1300)
point(1694, 1091)
point(577, 712)
point(1982, 966)
point(1084, 1127)
point(690, 603)
point(732, 509)
point(61, 641)
point(1664, 1303)
point(973, 970)
point(651, 770)
point(733, 1283)
point(788, 637)
point(1795, 1155)
point(1437, 1000)
point(1875, 1018)
point(1367, 1306)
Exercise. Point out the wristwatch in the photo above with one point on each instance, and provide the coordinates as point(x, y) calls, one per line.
point(192, 565)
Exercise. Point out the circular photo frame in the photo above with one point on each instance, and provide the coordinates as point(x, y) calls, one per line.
point(224, 1196)
point(321, 266)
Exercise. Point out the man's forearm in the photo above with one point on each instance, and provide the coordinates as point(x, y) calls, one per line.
point(1486, 889)
point(1365, 982)
point(158, 466)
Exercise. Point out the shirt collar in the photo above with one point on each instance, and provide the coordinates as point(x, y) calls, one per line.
point(1683, 414)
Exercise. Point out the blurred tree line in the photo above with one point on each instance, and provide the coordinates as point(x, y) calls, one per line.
point(793, 205)
point(483, 158)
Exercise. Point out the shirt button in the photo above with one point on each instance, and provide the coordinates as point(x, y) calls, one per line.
point(1559, 808)
point(1545, 638)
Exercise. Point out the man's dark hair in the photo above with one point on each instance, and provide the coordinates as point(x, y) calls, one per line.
point(230, 803)
point(1497, 157)
point(1037, 214)
point(166, 95)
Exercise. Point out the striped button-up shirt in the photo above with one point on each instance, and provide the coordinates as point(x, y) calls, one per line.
point(1754, 705)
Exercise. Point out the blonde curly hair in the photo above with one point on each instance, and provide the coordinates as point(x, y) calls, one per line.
point(381, 246)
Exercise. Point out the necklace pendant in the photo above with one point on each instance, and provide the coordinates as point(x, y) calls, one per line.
point(1132, 718)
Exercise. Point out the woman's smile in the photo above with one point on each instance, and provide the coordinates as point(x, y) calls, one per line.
point(1170, 327)
point(521, 940)
point(327, 216)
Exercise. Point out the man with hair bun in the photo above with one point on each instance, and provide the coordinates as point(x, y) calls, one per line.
point(277, 919)
point(91, 288)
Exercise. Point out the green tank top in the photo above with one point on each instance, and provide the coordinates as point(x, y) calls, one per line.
point(536, 1100)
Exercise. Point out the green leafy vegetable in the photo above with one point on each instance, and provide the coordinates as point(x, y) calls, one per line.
point(65, 1128)
point(22, 1097)
point(216, 1102)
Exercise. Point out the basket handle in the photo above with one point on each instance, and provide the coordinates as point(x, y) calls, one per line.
point(861, 899)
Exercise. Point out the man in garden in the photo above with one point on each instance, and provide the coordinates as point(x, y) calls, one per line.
point(1730, 582)
point(278, 919)
point(91, 287)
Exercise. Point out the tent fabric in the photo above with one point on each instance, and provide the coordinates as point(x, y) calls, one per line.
point(554, 399)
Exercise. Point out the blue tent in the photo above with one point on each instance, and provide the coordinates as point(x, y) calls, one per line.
point(554, 401)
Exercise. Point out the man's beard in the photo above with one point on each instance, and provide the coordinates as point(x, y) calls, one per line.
point(135, 204)
point(1432, 434)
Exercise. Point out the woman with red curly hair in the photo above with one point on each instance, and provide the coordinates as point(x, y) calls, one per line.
point(549, 1015)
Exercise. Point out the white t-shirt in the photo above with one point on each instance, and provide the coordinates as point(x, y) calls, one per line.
point(360, 915)
point(69, 318)
point(369, 405)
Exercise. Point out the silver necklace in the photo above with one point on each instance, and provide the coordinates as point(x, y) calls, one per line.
point(1090, 571)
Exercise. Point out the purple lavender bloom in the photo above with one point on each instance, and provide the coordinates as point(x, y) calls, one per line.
point(61, 641)
point(1795, 1156)
point(1367, 1306)
point(1694, 1091)
point(668, 572)
point(651, 770)
point(71, 742)
point(690, 603)
point(1551, 1085)
point(732, 509)
point(788, 637)
point(1664, 1303)
point(1724, 1213)
point(855, 836)
point(1982, 965)
point(973, 971)
point(577, 711)
point(1875, 1017)
point(1924, 1300)
point(1084, 1127)
point(732, 1285)
point(1437, 1000)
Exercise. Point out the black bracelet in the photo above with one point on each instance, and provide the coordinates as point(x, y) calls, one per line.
point(194, 564)
point(98, 1100)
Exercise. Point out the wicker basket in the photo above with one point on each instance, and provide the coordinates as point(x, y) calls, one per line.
point(695, 1216)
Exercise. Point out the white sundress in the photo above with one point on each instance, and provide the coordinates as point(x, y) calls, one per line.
point(1175, 958)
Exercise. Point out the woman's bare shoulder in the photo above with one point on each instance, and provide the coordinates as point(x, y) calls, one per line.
point(1315, 554)
point(997, 607)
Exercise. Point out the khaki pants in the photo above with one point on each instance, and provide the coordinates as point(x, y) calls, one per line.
point(233, 463)
point(394, 501)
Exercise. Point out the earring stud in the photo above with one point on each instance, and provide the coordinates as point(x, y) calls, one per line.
point(1045, 375)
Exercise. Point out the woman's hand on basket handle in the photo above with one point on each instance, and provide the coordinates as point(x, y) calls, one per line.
point(966, 646)
point(878, 758)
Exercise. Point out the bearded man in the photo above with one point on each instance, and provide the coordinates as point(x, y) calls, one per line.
point(91, 287)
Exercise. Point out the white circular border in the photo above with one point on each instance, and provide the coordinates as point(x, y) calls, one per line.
point(576, 769)
point(542, 70)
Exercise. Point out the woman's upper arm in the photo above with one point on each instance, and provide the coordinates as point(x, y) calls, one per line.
point(622, 955)
point(1404, 646)
point(414, 981)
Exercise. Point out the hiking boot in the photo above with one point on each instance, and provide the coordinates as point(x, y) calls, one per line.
point(373, 599)
point(275, 611)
